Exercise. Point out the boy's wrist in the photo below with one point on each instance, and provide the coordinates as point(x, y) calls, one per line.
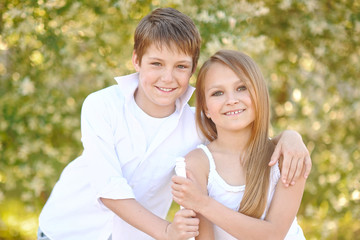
point(166, 235)
point(286, 134)
point(291, 133)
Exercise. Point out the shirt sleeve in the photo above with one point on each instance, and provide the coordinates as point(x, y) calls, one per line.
point(104, 167)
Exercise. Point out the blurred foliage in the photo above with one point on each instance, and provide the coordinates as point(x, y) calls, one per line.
point(54, 53)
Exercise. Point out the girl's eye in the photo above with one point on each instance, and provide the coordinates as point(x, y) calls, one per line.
point(217, 93)
point(241, 88)
point(156, 64)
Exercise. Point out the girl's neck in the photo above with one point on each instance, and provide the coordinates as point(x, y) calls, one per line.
point(232, 142)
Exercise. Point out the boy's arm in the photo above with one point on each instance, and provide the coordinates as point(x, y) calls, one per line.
point(291, 148)
point(110, 184)
point(183, 226)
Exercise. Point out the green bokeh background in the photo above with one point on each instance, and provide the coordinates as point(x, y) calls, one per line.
point(54, 53)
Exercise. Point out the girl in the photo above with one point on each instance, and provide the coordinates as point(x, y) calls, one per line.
point(232, 111)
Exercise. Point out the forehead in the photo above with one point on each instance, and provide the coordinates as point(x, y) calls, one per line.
point(219, 74)
point(166, 51)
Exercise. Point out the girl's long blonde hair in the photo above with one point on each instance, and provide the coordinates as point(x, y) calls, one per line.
point(259, 147)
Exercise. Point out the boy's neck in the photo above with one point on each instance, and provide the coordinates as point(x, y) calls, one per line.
point(153, 110)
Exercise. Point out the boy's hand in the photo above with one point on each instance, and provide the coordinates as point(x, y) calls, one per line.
point(295, 157)
point(184, 226)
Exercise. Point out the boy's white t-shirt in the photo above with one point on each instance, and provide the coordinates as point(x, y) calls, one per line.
point(150, 125)
point(117, 163)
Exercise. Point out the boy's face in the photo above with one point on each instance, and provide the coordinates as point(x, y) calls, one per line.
point(164, 76)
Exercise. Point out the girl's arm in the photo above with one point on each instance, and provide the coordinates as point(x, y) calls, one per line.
point(198, 164)
point(206, 231)
point(291, 147)
point(283, 209)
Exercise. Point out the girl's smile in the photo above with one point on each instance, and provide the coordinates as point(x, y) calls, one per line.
point(235, 112)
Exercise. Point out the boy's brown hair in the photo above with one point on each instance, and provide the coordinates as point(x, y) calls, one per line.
point(170, 27)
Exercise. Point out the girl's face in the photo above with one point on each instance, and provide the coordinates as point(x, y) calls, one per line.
point(227, 100)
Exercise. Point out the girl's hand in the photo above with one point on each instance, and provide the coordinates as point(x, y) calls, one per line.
point(295, 156)
point(187, 193)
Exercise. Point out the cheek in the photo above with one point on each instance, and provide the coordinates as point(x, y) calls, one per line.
point(184, 78)
point(147, 77)
point(185, 81)
point(247, 99)
point(212, 106)
point(142, 79)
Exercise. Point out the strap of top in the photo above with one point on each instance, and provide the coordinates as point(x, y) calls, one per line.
point(209, 156)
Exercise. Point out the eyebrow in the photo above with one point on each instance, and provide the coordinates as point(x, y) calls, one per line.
point(220, 86)
point(160, 59)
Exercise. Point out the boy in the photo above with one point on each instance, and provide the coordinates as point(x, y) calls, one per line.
point(132, 132)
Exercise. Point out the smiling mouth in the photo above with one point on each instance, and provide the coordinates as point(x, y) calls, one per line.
point(165, 89)
point(234, 112)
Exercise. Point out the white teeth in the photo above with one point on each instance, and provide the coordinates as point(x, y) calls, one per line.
point(165, 89)
point(235, 112)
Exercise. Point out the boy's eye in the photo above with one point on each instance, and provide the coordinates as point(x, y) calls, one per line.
point(241, 88)
point(156, 64)
point(183, 66)
point(217, 93)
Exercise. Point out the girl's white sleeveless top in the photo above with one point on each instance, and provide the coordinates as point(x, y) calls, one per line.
point(231, 196)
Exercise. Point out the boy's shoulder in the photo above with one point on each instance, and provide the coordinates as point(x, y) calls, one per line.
point(188, 117)
point(110, 93)
point(189, 109)
point(109, 98)
point(126, 85)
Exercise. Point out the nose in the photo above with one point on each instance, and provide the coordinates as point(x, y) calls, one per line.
point(232, 99)
point(167, 75)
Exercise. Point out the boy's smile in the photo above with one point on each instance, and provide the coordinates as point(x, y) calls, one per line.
point(163, 77)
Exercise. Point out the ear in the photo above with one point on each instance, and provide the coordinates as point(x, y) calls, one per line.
point(206, 112)
point(135, 61)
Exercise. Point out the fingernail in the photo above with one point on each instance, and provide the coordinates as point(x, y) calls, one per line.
point(306, 176)
point(292, 183)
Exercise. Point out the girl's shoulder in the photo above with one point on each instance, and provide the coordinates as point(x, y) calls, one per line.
point(197, 157)
point(198, 164)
